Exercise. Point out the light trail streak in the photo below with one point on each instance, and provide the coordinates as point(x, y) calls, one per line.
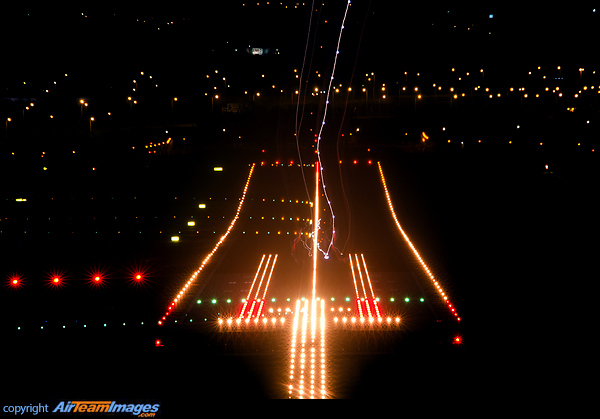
point(256, 299)
point(293, 347)
point(262, 277)
point(413, 248)
point(374, 299)
point(322, 341)
point(370, 301)
point(354, 278)
point(262, 301)
point(270, 274)
point(192, 279)
point(252, 286)
point(358, 305)
point(337, 52)
point(315, 231)
point(260, 307)
point(251, 309)
point(363, 287)
point(307, 373)
point(297, 126)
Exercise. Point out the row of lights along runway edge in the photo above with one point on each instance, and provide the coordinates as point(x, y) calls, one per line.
point(414, 250)
point(193, 277)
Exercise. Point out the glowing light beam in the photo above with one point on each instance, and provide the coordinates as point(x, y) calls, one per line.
point(315, 231)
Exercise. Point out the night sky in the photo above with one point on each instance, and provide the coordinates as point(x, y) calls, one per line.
point(406, 35)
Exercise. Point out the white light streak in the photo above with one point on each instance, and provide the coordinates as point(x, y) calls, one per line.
point(316, 231)
point(326, 252)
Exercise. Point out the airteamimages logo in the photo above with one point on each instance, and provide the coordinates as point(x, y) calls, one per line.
point(141, 410)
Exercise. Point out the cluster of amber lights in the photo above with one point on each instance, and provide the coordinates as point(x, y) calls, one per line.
point(192, 278)
point(414, 250)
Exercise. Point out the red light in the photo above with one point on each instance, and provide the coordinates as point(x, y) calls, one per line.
point(369, 161)
point(457, 340)
point(157, 342)
point(138, 276)
point(340, 162)
point(15, 281)
point(96, 277)
point(56, 279)
point(355, 162)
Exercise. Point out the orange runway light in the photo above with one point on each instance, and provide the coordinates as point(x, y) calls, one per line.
point(435, 282)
